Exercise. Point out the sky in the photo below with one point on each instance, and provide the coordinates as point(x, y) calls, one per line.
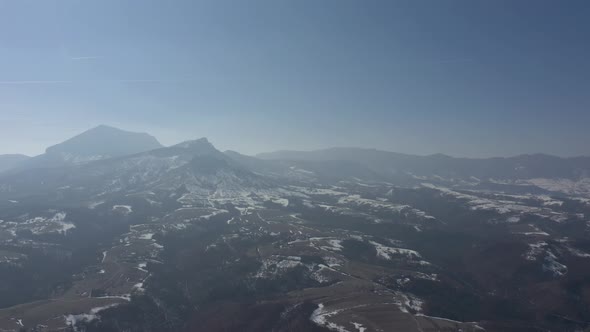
point(464, 78)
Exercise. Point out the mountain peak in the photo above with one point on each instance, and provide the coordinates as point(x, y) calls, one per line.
point(105, 141)
point(104, 127)
point(197, 147)
point(201, 143)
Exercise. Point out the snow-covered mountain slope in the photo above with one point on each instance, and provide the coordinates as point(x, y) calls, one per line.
point(194, 165)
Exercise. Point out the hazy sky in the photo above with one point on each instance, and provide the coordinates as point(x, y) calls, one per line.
point(466, 78)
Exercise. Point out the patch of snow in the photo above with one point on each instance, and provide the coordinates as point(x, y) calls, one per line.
point(425, 276)
point(125, 209)
point(504, 206)
point(541, 233)
point(142, 266)
point(566, 186)
point(281, 201)
point(548, 201)
point(582, 200)
point(578, 253)
point(277, 265)
point(139, 287)
point(318, 191)
point(213, 214)
point(534, 231)
point(146, 236)
point(319, 276)
point(332, 261)
point(535, 250)
point(552, 265)
point(308, 204)
point(407, 302)
point(93, 205)
point(336, 245)
point(73, 320)
point(55, 224)
point(375, 204)
point(65, 227)
point(326, 243)
point(359, 327)
point(320, 315)
point(513, 219)
point(386, 252)
point(440, 318)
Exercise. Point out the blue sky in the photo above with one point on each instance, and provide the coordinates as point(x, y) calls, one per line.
point(465, 78)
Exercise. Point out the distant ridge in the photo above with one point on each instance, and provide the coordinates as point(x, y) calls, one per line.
point(8, 161)
point(331, 151)
point(387, 163)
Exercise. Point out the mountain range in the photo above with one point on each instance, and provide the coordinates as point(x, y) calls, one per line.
point(111, 231)
point(125, 157)
point(391, 163)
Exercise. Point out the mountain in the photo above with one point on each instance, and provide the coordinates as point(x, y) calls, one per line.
point(8, 161)
point(391, 163)
point(179, 238)
point(194, 165)
point(97, 143)
point(105, 141)
point(113, 160)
